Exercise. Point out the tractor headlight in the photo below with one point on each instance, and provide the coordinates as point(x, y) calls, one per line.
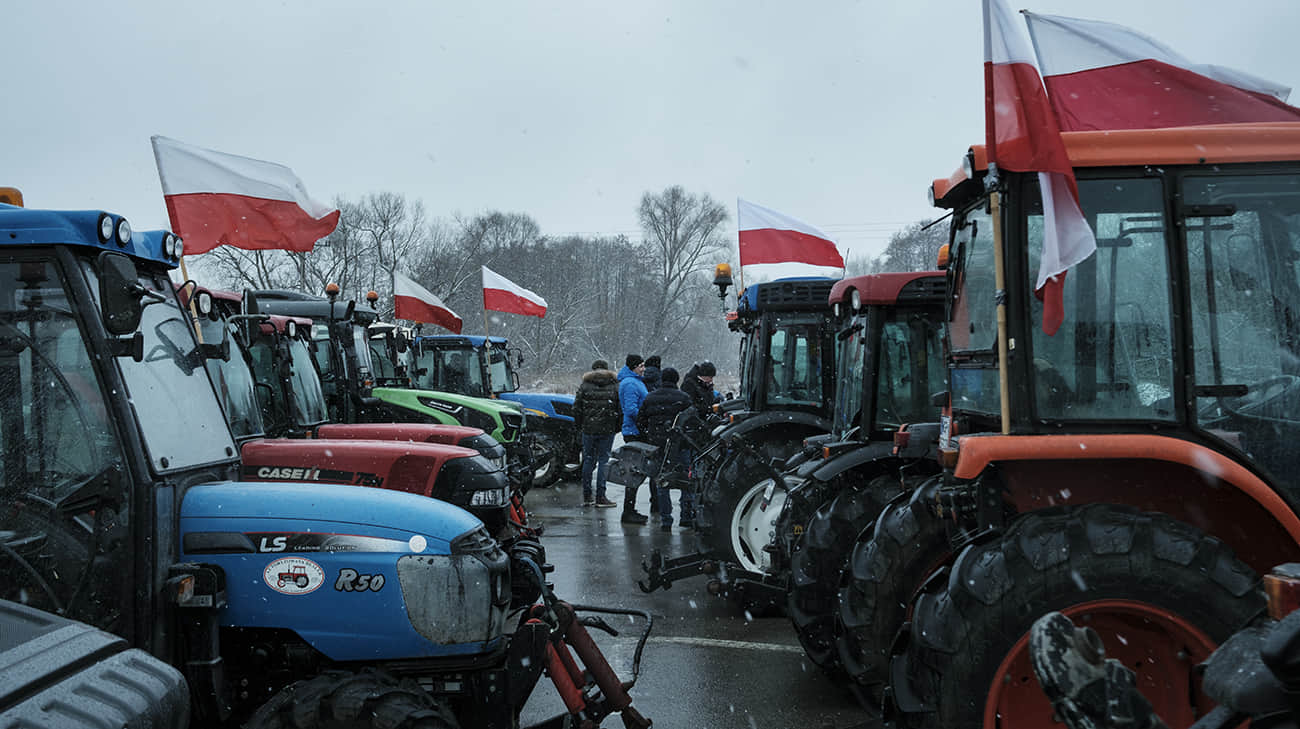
point(105, 227)
point(491, 497)
point(169, 245)
point(123, 232)
point(180, 248)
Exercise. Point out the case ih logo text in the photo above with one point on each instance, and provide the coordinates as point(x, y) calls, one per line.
point(292, 474)
point(293, 576)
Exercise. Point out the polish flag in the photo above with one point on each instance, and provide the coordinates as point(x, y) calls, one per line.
point(1102, 76)
point(1022, 135)
point(768, 237)
point(413, 301)
point(214, 199)
point(502, 294)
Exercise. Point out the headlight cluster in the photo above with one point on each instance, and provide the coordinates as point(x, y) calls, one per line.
point(490, 497)
point(108, 230)
point(172, 247)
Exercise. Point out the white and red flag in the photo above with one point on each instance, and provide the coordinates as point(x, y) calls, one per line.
point(413, 301)
point(1022, 135)
point(502, 294)
point(775, 240)
point(215, 199)
point(1102, 76)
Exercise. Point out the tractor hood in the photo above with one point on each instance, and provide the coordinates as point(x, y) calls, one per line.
point(475, 403)
point(551, 405)
point(360, 574)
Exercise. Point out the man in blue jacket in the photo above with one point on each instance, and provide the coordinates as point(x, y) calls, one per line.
point(631, 393)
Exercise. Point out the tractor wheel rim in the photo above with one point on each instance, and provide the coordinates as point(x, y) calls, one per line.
point(1161, 646)
point(751, 528)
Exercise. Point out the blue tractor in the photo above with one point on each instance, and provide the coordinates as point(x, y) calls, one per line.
point(482, 367)
point(282, 604)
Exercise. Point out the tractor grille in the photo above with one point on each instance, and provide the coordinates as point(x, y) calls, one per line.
point(924, 290)
point(779, 295)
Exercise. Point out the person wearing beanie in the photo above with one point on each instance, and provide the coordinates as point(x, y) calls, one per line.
point(631, 393)
point(658, 412)
point(698, 383)
point(598, 417)
point(651, 376)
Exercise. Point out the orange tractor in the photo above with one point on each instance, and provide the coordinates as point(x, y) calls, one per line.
point(1138, 469)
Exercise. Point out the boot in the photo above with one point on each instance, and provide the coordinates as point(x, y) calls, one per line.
point(630, 516)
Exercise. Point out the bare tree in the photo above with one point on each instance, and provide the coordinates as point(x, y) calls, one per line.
point(683, 231)
point(915, 247)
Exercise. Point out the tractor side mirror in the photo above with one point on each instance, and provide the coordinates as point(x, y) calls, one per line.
point(119, 294)
point(403, 344)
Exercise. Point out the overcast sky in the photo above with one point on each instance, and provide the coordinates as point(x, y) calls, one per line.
point(838, 113)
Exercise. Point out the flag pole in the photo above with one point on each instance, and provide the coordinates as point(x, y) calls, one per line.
point(487, 345)
point(1000, 301)
point(194, 310)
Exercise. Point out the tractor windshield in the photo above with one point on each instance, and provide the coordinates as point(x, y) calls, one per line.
point(233, 381)
point(1243, 265)
point(910, 369)
point(794, 375)
point(852, 361)
point(57, 431)
point(178, 414)
point(305, 396)
point(503, 375)
point(452, 369)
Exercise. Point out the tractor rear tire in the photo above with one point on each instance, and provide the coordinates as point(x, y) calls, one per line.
point(818, 559)
point(1160, 593)
point(370, 699)
point(723, 496)
point(884, 570)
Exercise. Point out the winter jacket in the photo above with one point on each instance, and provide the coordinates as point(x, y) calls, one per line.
point(658, 412)
point(702, 395)
point(631, 393)
point(595, 406)
point(651, 378)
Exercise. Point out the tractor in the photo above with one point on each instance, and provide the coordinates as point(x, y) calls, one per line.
point(482, 367)
point(342, 349)
point(122, 510)
point(1136, 469)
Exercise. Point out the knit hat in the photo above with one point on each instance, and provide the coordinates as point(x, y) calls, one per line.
point(668, 376)
point(633, 360)
point(600, 364)
point(706, 369)
point(652, 361)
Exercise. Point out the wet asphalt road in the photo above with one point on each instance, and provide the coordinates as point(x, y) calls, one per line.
point(706, 664)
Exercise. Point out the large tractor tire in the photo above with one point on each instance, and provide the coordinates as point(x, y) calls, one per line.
point(818, 559)
point(1160, 593)
point(886, 567)
point(731, 520)
point(341, 700)
point(547, 462)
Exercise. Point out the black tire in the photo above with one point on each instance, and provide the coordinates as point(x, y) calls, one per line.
point(964, 627)
point(818, 559)
point(887, 565)
point(339, 700)
point(546, 463)
point(721, 497)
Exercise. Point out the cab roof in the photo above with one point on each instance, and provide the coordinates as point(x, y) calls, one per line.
point(80, 228)
point(1210, 144)
point(459, 340)
point(888, 289)
point(804, 293)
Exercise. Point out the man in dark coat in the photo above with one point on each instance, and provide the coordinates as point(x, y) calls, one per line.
point(631, 393)
point(597, 415)
point(698, 383)
point(658, 412)
point(652, 372)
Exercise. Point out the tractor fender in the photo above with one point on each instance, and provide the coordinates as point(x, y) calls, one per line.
point(1185, 479)
point(310, 557)
point(772, 419)
point(866, 453)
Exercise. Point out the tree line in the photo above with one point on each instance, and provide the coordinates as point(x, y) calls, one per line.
point(606, 295)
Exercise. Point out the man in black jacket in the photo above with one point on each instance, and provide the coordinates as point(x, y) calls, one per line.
point(598, 416)
point(698, 384)
point(655, 421)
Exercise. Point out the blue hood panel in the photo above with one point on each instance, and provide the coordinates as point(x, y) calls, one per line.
point(321, 560)
point(541, 401)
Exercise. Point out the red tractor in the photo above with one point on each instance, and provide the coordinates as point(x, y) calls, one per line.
point(1137, 469)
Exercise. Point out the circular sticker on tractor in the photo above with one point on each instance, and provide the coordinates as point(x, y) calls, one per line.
point(293, 575)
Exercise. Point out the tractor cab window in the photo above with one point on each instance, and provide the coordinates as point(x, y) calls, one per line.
point(795, 365)
point(851, 366)
point(57, 433)
point(320, 349)
point(385, 369)
point(233, 381)
point(172, 379)
point(361, 345)
point(911, 370)
point(1112, 357)
point(751, 368)
point(972, 329)
point(503, 379)
point(307, 397)
point(61, 474)
point(1243, 261)
point(453, 370)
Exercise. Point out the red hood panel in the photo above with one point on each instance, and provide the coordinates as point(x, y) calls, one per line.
point(419, 433)
point(402, 466)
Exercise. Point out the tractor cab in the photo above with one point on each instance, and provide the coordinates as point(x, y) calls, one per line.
point(786, 346)
point(391, 353)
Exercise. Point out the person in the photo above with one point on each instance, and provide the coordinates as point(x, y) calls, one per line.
point(631, 393)
point(658, 412)
point(698, 383)
point(597, 415)
point(651, 376)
